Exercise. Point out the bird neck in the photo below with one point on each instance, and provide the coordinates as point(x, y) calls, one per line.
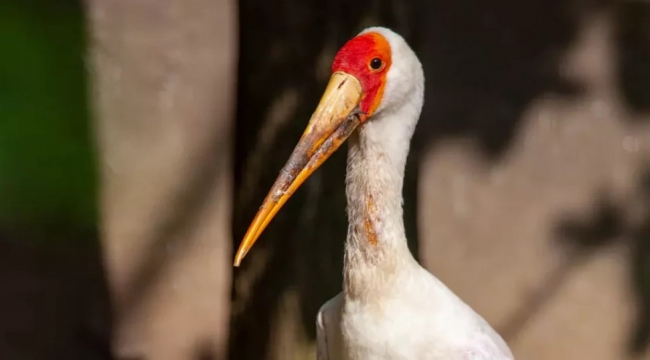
point(376, 247)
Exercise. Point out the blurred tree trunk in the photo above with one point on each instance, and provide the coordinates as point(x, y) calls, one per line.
point(164, 94)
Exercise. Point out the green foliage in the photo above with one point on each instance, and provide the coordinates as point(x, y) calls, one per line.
point(47, 170)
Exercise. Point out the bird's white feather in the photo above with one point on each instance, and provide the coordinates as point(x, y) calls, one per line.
point(329, 344)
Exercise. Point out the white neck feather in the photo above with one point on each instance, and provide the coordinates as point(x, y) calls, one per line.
point(376, 246)
point(376, 250)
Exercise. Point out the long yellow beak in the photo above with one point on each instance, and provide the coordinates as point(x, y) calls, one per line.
point(331, 124)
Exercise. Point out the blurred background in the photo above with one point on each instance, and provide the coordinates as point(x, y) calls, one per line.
point(139, 137)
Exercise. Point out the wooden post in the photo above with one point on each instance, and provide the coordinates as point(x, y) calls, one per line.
point(164, 76)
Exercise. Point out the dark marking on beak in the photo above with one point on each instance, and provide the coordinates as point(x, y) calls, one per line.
point(342, 83)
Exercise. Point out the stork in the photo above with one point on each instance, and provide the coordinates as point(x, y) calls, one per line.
point(390, 308)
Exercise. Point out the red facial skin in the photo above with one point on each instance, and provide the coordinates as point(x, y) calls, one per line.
point(355, 57)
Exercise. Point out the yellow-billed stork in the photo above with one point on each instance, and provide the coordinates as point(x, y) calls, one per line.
point(390, 308)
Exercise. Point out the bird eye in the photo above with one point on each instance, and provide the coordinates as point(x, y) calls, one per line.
point(375, 64)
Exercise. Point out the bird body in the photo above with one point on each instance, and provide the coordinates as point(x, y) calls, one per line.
point(426, 321)
point(391, 308)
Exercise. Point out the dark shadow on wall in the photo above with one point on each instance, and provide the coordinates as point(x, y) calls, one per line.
point(633, 40)
point(580, 239)
point(484, 63)
point(615, 223)
point(54, 298)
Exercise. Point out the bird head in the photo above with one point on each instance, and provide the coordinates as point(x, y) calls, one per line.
point(374, 72)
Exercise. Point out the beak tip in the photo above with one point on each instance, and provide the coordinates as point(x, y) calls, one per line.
point(239, 257)
point(237, 261)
